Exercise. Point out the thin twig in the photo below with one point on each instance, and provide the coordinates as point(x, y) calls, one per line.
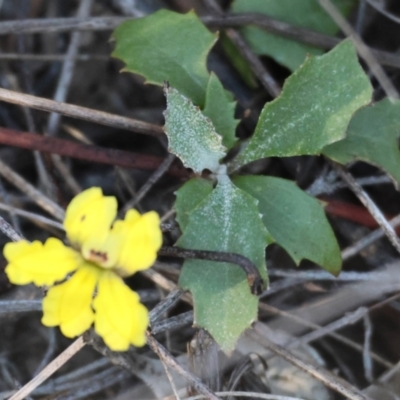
point(61, 93)
point(51, 347)
point(154, 178)
point(38, 197)
point(44, 176)
point(320, 275)
point(171, 380)
point(9, 231)
point(387, 14)
point(340, 338)
point(173, 323)
point(51, 57)
point(50, 25)
point(50, 369)
point(171, 362)
point(340, 323)
point(251, 271)
point(67, 70)
point(86, 152)
point(86, 114)
point(255, 395)
point(362, 49)
point(369, 204)
point(15, 306)
point(367, 349)
point(367, 240)
point(255, 63)
point(166, 304)
point(327, 378)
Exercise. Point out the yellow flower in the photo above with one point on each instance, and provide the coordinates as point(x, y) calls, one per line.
point(102, 254)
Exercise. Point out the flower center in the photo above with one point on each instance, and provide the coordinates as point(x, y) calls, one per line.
point(97, 257)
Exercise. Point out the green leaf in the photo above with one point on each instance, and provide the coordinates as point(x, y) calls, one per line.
point(167, 46)
point(314, 109)
point(191, 135)
point(220, 108)
point(188, 197)
point(372, 136)
point(296, 220)
point(227, 220)
point(304, 13)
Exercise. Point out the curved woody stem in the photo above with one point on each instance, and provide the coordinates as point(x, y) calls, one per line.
point(253, 275)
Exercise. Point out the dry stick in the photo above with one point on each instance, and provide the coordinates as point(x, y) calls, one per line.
point(321, 275)
point(369, 204)
point(68, 148)
point(327, 378)
point(163, 306)
point(294, 32)
point(32, 216)
point(362, 49)
point(368, 239)
point(173, 323)
point(108, 23)
point(9, 231)
point(43, 174)
point(16, 306)
point(55, 365)
point(378, 7)
point(256, 65)
point(62, 89)
point(83, 113)
point(367, 349)
point(348, 319)
point(253, 395)
point(38, 197)
point(51, 57)
point(171, 362)
point(50, 25)
point(154, 178)
point(171, 380)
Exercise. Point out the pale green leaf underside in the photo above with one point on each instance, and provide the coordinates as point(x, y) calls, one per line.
point(372, 136)
point(188, 197)
point(226, 220)
point(295, 220)
point(220, 108)
point(304, 13)
point(314, 109)
point(191, 135)
point(167, 46)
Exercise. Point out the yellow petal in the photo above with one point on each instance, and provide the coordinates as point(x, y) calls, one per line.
point(120, 318)
point(42, 264)
point(69, 304)
point(89, 217)
point(140, 239)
